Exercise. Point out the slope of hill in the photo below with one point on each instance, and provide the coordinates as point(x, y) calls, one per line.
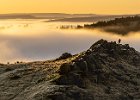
point(62, 17)
point(121, 26)
point(106, 71)
point(17, 16)
point(94, 18)
point(43, 16)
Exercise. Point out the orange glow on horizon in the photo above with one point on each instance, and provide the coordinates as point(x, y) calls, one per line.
point(72, 6)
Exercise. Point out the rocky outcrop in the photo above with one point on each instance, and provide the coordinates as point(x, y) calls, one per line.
point(106, 71)
point(110, 70)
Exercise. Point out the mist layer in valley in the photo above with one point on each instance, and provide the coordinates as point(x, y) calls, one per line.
point(35, 39)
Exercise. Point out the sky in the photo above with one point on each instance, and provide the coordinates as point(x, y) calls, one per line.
point(70, 6)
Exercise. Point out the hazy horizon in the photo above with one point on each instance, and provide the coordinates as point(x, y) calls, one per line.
point(68, 13)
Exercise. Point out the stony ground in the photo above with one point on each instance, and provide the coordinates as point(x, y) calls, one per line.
point(106, 71)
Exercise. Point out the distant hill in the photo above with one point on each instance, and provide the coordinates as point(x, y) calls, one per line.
point(42, 16)
point(16, 16)
point(121, 26)
point(60, 17)
point(89, 18)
